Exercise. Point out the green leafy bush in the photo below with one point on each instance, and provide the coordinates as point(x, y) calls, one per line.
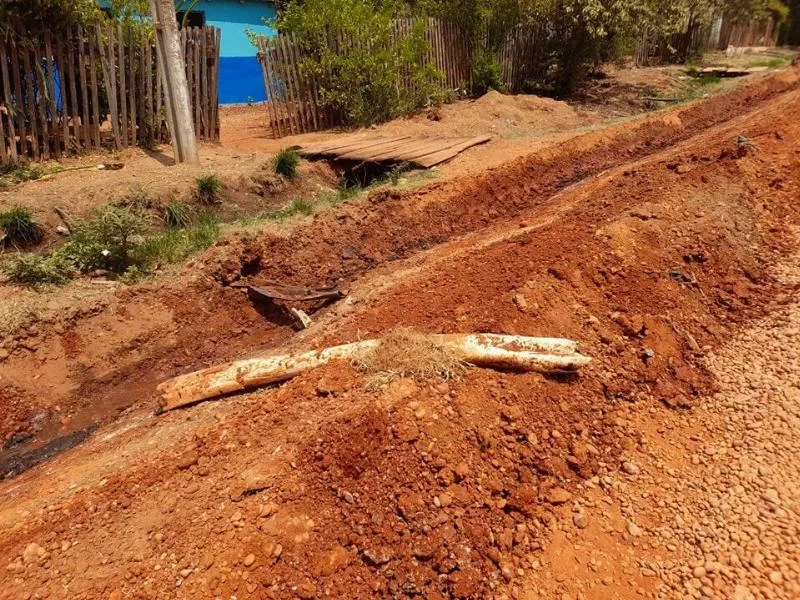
point(358, 79)
point(487, 74)
point(208, 189)
point(19, 227)
point(37, 269)
point(106, 241)
point(113, 240)
point(21, 171)
point(285, 163)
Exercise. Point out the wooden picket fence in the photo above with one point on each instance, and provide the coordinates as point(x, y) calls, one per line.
point(88, 89)
point(654, 49)
point(294, 104)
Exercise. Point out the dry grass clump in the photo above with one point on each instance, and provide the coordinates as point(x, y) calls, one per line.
point(405, 353)
point(15, 316)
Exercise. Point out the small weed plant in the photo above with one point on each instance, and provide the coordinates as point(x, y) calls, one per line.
point(285, 163)
point(208, 189)
point(178, 215)
point(19, 227)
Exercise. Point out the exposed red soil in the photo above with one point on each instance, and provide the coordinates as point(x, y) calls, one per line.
point(323, 488)
point(154, 331)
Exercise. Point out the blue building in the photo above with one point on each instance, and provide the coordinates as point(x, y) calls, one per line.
point(240, 79)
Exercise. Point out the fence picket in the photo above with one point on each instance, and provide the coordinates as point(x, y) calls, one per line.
point(12, 134)
point(19, 110)
point(85, 121)
point(41, 87)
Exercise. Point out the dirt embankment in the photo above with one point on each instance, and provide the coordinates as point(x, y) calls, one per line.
point(324, 488)
point(147, 333)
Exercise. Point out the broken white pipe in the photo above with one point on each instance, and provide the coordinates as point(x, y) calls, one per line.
point(547, 355)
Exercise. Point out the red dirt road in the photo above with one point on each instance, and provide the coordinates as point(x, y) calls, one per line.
point(651, 243)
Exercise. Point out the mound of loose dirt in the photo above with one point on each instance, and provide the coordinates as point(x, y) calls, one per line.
point(501, 115)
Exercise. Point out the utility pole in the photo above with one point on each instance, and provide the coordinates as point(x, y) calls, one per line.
point(176, 89)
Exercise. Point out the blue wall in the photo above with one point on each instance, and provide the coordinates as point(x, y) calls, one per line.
point(240, 78)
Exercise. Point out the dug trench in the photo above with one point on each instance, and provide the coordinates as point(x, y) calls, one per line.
point(325, 488)
point(109, 356)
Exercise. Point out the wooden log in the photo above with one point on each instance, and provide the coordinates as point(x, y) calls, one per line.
point(74, 111)
point(548, 355)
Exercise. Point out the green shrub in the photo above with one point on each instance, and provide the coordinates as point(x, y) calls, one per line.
point(285, 163)
point(21, 171)
point(358, 80)
point(176, 244)
point(487, 74)
point(208, 189)
point(178, 214)
point(19, 227)
point(37, 269)
point(106, 241)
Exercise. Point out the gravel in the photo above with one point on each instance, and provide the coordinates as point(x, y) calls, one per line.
point(735, 513)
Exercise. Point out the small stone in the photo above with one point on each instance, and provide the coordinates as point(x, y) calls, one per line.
point(776, 577)
point(558, 496)
point(268, 509)
point(445, 500)
point(699, 572)
point(462, 470)
point(634, 530)
point(189, 459)
point(236, 517)
point(580, 520)
point(631, 468)
point(307, 591)
point(33, 553)
point(771, 495)
point(249, 560)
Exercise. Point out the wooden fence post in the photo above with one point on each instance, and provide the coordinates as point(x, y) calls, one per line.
point(176, 87)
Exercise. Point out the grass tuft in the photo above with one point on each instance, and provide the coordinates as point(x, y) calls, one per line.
point(178, 215)
point(298, 206)
point(285, 163)
point(208, 189)
point(19, 227)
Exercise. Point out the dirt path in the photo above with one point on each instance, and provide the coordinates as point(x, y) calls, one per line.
point(708, 507)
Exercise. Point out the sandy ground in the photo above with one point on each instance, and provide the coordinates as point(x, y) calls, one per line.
point(666, 249)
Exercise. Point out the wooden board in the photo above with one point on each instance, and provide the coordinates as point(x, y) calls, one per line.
point(422, 151)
